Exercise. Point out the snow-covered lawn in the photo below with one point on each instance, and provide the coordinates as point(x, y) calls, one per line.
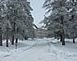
point(46, 49)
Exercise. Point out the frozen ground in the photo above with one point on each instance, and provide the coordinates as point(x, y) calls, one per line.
point(46, 49)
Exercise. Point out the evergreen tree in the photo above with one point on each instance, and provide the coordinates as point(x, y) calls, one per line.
point(62, 18)
point(71, 27)
point(16, 20)
point(3, 21)
point(57, 17)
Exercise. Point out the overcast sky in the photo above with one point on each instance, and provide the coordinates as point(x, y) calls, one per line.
point(38, 12)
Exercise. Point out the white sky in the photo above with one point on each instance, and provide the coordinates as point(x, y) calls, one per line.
point(38, 12)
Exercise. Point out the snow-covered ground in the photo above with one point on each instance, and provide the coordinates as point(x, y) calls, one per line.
point(46, 49)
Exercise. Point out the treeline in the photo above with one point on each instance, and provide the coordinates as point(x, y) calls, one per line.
point(16, 21)
point(61, 19)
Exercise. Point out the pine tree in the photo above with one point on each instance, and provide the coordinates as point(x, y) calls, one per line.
point(16, 20)
point(57, 17)
point(19, 14)
point(71, 6)
point(0, 36)
point(3, 22)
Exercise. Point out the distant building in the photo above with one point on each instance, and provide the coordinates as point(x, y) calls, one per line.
point(40, 33)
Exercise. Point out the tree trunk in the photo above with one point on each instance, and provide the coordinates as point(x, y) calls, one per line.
point(7, 37)
point(63, 39)
point(13, 34)
point(7, 42)
point(73, 40)
point(0, 37)
point(26, 38)
point(16, 42)
point(12, 42)
point(62, 32)
point(60, 38)
point(73, 37)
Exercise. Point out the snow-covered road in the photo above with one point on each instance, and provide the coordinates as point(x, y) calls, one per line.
point(45, 52)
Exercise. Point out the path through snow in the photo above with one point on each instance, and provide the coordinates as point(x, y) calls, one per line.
point(46, 52)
